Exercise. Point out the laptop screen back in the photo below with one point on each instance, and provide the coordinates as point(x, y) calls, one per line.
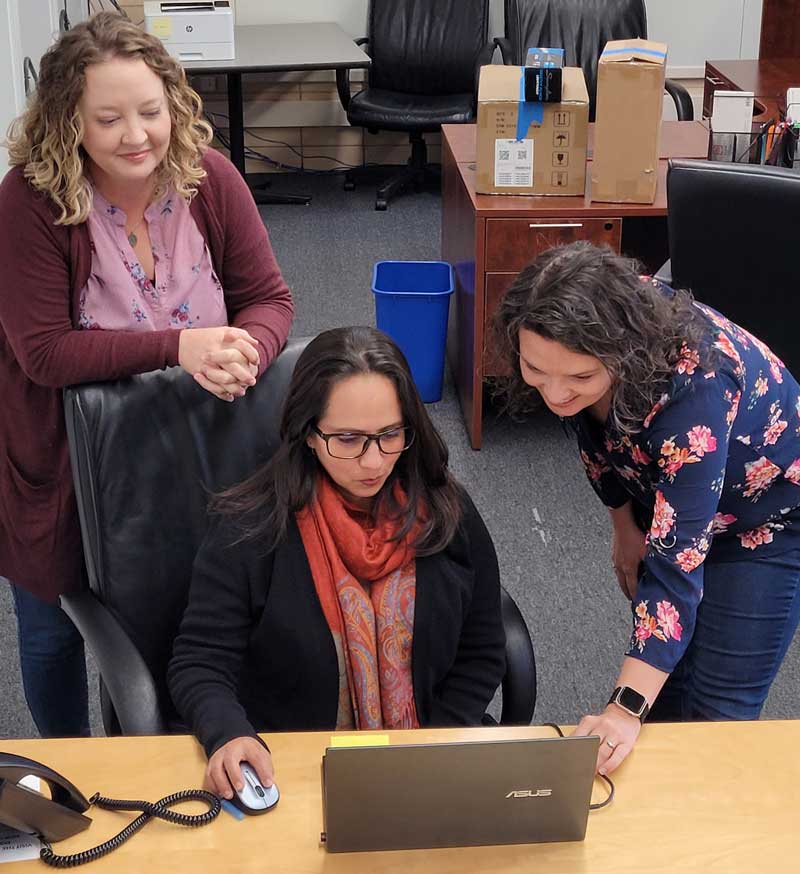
point(457, 794)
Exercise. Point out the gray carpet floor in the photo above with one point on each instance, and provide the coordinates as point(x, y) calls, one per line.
point(551, 533)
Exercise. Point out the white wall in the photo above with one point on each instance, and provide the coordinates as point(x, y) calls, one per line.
point(694, 29)
point(699, 31)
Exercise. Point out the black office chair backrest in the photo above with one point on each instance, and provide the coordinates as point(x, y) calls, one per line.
point(146, 454)
point(732, 241)
point(426, 46)
point(519, 682)
point(581, 27)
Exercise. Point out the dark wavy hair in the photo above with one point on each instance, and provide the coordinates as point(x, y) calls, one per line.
point(595, 302)
point(287, 483)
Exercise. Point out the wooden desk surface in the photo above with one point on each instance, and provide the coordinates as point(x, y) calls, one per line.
point(721, 797)
point(765, 78)
point(679, 139)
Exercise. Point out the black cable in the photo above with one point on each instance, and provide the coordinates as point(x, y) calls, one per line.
point(252, 153)
point(158, 810)
point(610, 796)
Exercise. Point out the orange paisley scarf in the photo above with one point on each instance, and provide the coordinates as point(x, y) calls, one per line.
point(366, 585)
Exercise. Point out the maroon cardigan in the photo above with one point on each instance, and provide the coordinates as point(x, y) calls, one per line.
point(43, 268)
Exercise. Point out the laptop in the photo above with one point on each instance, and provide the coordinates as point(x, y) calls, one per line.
point(422, 796)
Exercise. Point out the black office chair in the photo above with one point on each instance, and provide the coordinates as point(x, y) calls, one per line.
point(582, 28)
point(732, 237)
point(146, 453)
point(425, 61)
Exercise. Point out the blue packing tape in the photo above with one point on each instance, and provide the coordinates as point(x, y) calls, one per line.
point(530, 111)
point(655, 52)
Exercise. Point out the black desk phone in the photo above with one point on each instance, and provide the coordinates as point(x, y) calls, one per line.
point(62, 814)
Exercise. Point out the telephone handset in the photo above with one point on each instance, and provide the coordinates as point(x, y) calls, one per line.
point(62, 814)
point(28, 811)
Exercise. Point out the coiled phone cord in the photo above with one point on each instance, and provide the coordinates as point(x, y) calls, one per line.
point(159, 810)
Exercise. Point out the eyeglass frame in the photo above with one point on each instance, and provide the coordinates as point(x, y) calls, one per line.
point(369, 439)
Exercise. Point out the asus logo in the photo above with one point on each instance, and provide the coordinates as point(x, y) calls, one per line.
point(529, 793)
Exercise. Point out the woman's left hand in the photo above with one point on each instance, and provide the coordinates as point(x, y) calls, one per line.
point(618, 732)
point(227, 371)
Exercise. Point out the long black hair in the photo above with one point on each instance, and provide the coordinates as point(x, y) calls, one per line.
point(287, 482)
point(593, 301)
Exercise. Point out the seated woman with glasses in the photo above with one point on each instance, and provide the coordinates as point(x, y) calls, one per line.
point(350, 583)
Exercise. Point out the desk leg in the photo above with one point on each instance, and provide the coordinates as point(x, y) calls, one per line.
point(236, 121)
point(236, 137)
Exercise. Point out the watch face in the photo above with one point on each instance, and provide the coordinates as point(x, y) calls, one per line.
point(631, 700)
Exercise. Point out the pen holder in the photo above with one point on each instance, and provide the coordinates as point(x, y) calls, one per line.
point(738, 148)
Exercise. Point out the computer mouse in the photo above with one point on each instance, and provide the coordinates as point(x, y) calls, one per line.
point(254, 799)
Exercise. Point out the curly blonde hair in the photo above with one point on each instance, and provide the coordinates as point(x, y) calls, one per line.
point(47, 138)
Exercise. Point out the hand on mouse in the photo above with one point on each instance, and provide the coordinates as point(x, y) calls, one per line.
point(223, 773)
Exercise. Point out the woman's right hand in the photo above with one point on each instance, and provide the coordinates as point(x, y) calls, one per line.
point(223, 773)
point(628, 548)
point(200, 349)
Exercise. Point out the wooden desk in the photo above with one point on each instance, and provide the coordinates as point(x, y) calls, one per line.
point(767, 79)
point(721, 797)
point(490, 238)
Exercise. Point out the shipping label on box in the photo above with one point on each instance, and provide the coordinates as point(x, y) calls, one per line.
point(627, 132)
point(526, 146)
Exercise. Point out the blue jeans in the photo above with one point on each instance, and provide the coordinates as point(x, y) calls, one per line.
point(745, 624)
point(53, 665)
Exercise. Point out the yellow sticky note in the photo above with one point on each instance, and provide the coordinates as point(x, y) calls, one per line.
point(360, 740)
point(161, 27)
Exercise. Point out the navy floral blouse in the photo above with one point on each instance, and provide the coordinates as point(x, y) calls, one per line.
point(717, 461)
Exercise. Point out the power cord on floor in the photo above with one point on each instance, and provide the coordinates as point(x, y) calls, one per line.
point(606, 801)
point(159, 810)
point(259, 156)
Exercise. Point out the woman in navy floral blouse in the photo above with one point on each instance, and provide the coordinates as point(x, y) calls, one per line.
point(689, 429)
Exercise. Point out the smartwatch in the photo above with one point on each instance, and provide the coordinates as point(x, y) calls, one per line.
point(630, 701)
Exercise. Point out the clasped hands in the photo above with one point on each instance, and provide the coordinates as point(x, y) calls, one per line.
point(224, 361)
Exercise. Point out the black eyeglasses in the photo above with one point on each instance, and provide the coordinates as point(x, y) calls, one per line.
point(348, 445)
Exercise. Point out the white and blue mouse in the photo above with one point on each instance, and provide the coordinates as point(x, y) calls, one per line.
point(254, 799)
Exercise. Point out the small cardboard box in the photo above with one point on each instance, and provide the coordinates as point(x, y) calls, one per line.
point(528, 147)
point(630, 98)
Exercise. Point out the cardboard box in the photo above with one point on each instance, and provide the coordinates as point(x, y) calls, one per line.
point(528, 147)
point(630, 98)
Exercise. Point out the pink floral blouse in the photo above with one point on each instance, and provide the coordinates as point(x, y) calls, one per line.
point(717, 463)
point(119, 296)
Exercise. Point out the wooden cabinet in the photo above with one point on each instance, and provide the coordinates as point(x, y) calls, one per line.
point(512, 244)
point(780, 29)
point(489, 239)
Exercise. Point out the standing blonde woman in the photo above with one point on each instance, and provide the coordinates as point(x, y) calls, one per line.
point(120, 230)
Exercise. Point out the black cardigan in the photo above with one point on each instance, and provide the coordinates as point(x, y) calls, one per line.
point(255, 653)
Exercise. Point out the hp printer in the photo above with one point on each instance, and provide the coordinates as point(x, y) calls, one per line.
point(192, 30)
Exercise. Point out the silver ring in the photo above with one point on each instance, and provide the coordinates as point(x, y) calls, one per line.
point(609, 744)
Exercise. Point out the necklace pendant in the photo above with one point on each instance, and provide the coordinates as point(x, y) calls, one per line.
point(133, 240)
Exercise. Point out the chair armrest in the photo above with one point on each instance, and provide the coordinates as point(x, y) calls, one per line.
point(126, 677)
point(519, 682)
point(684, 107)
point(664, 273)
point(343, 78)
point(504, 44)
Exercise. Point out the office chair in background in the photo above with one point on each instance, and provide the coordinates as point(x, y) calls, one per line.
point(582, 28)
point(732, 238)
point(146, 453)
point(424, 73)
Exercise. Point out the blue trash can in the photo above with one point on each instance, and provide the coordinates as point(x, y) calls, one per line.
point(412, 301)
